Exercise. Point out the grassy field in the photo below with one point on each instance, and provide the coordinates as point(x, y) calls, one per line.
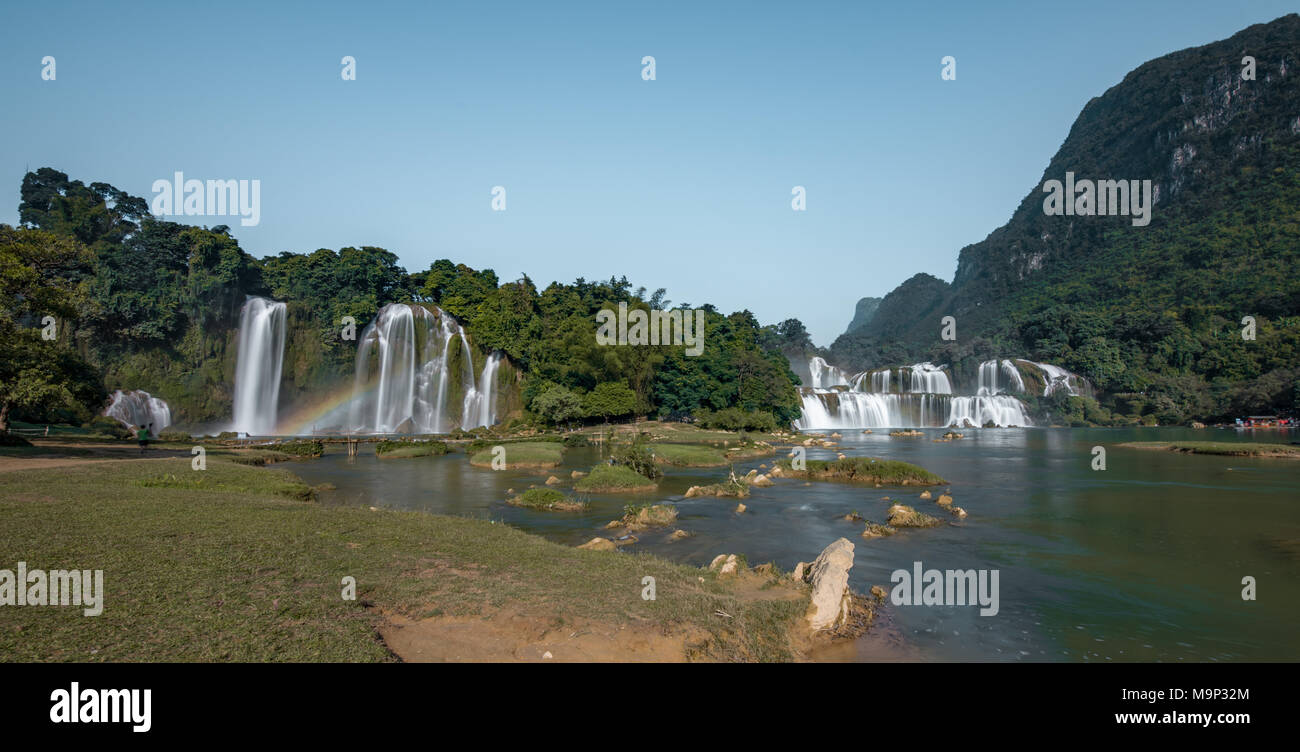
point(1223, 448)
point(232, 564)
point(865, 470)
point(523, 454)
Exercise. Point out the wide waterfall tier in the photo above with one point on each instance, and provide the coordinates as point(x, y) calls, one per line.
point(914, 396)
point(923, 394)
point(415, 374)
point(845, 408)
point(139, 408)
point(257, 371)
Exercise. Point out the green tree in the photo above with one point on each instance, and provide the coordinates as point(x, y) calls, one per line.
point(610, 399)
point(557, 405)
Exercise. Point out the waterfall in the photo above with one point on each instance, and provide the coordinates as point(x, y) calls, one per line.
point(1056, 378)
point(927, 378)
point(139, 408)
point(925, 398)
point(825, 375)
point(404, 375)
point(480, 403)
point(257, 370)
point(974, 412)
point(988, 378)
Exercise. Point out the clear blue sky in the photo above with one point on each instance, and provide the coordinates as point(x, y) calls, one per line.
point(683, 182)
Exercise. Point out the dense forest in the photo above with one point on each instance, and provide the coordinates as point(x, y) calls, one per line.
point(142, 303)
point(1153, 315)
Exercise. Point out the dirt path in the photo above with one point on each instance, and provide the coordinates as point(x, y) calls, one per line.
point(515, 637)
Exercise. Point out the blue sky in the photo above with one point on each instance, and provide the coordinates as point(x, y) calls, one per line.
point(683, 182)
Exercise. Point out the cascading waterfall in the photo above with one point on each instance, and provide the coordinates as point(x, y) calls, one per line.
point(825, 375)
point(988, 378)
point(139, 408)
point(1056, 378)
point(925, 398)
point(482, 409)
point(927, 378)
point(405, 370)
point(257, 371)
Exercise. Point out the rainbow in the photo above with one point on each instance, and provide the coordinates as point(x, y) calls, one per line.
point(303, 420)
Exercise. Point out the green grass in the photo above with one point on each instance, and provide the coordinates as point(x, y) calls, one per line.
point(547, 499)
point(688, 455)
point(1224, 448)
point(406, 448)
point(523, 454)
point(613, 478)
point(230, 569)
point(304, 448)
point(865, 470)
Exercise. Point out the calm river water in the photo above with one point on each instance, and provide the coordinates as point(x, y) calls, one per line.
point(1141, 561)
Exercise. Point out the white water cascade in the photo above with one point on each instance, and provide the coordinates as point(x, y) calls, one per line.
point(480, 403)
point(1056, 379)
point(989, 375)
point(139, 408)
point(404, 375)
point(257, 370)
point(921, 395)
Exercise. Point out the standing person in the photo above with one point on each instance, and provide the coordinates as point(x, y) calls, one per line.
point(142, 435)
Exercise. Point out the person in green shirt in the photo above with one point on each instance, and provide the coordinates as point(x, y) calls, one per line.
point(142, 435)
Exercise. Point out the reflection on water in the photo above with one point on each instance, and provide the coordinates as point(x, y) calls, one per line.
point(1141, 561)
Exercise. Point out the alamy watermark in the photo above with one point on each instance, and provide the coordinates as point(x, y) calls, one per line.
point(213, 198)
point(1087, 198)
point(58, 587)
point(639, 327)
point(950, 587)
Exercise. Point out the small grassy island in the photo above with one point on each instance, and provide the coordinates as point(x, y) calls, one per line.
point(522, 454)
point(1221, 448)
point(864, 470)
point(547, 499)
point(613, 478)
point(404, 448)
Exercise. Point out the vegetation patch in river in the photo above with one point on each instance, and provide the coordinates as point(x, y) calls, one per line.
point(523, 454)
point(1222, 448)
point(863, 470)
point(403, 448)
point(305, 448)
point(607, 478)
point(547, 499)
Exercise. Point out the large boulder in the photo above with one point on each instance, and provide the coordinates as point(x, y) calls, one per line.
point(829, 576)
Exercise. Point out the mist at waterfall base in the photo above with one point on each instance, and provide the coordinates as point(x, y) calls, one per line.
point(137, 407)
point(404, 378)
point(922, 395)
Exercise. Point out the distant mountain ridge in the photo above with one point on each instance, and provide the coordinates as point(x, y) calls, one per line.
point(863, 313)
point(1154, 313)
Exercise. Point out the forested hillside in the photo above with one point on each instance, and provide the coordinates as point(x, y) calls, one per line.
point(149, 304)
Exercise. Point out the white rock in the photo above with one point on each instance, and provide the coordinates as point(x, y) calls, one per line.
point(830, 585)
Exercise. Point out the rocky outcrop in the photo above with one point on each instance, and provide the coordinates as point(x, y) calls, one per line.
point(901, 515)
point(599, 544)
point(831, 599)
